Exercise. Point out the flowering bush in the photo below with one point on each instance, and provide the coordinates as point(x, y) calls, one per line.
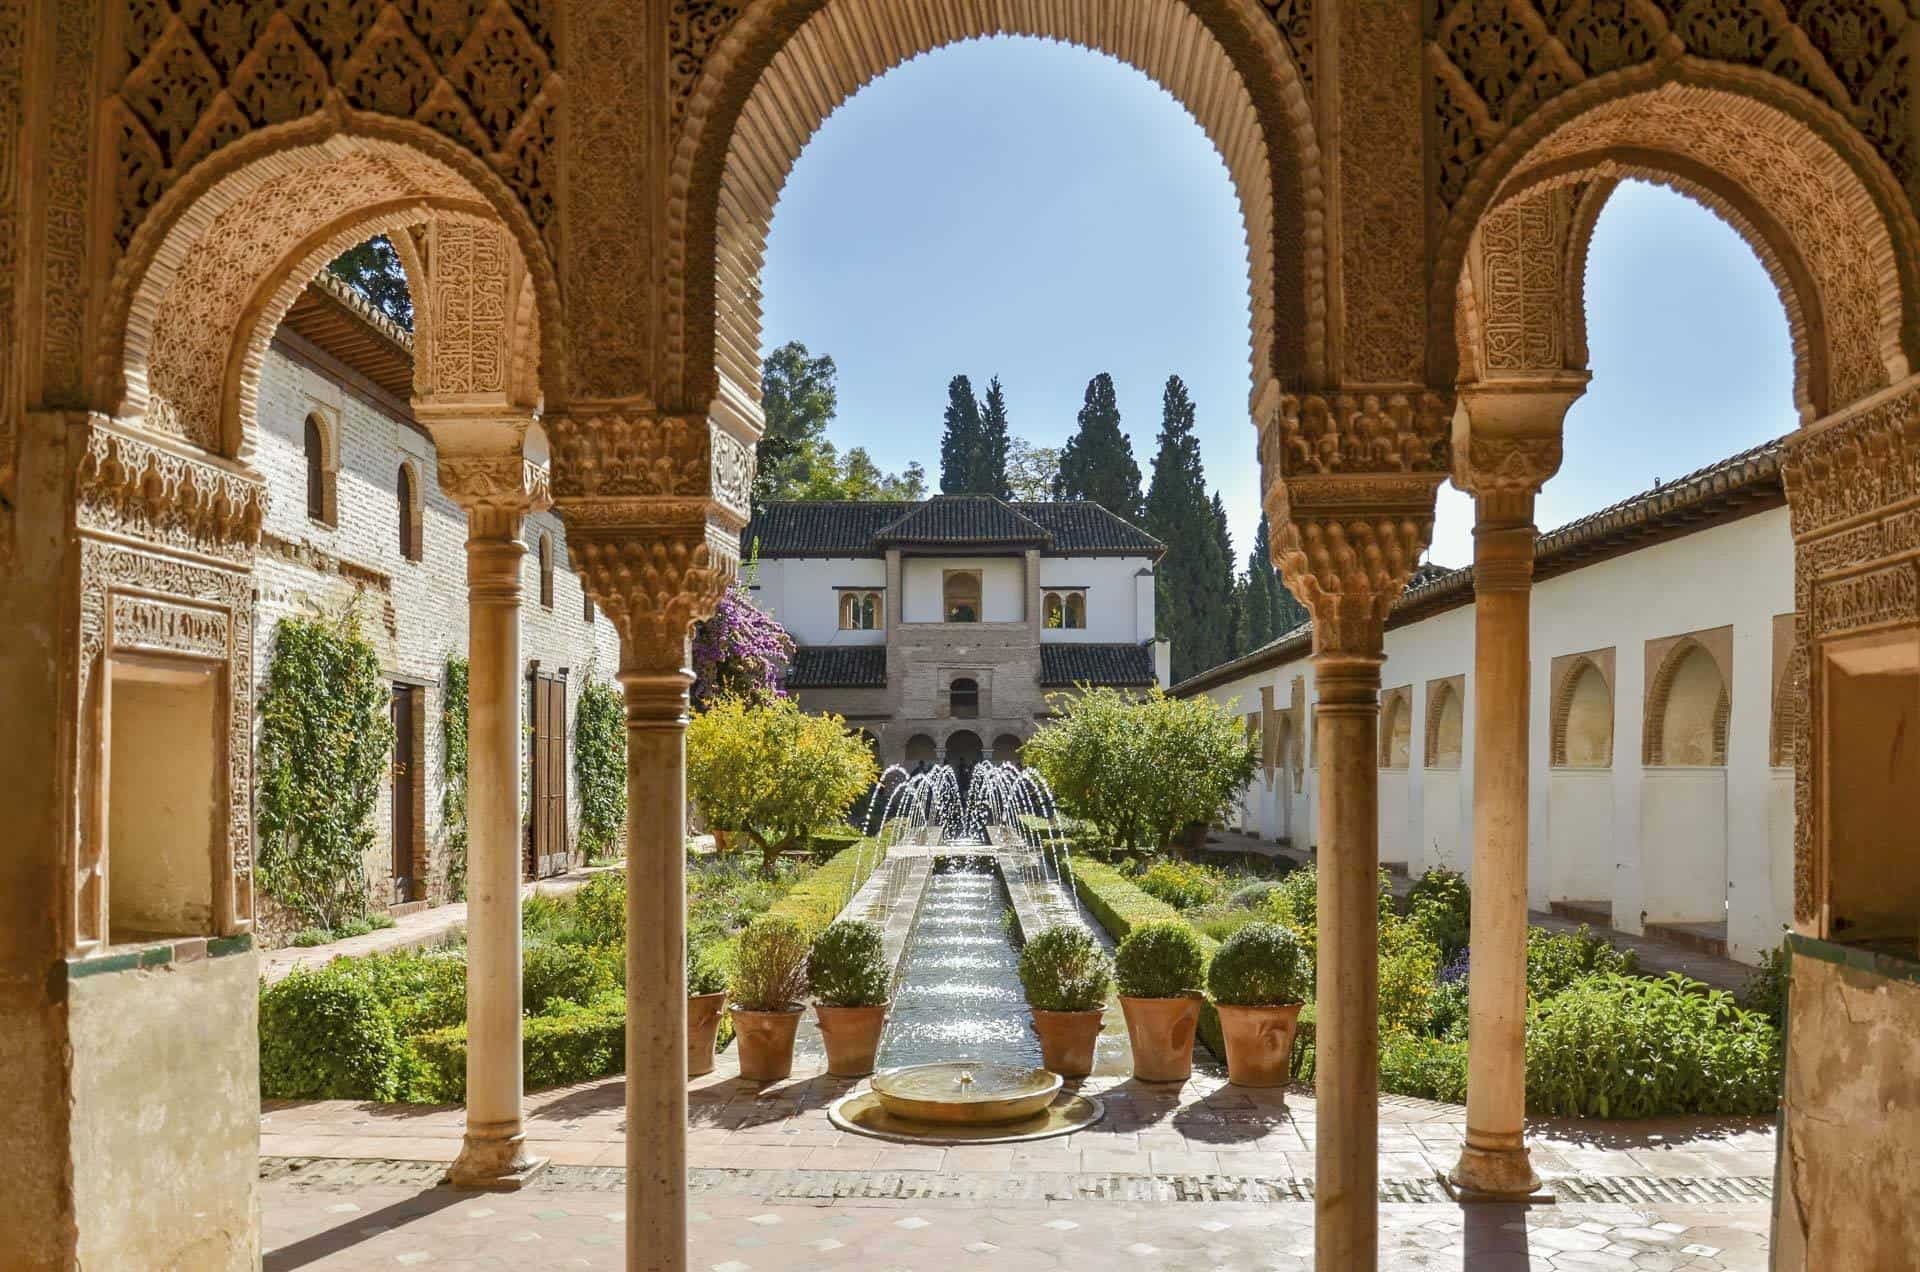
point(741, 652)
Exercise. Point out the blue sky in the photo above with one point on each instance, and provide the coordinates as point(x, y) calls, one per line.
point(1043, 213)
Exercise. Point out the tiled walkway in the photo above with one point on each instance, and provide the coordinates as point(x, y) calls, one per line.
point(1205, 1176)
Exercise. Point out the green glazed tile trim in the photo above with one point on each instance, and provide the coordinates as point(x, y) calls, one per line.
point(79, 968)
point(220, 947)
point(1863, 960)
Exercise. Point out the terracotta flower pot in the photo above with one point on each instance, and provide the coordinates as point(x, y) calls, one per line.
point(1259, 1043)
point(852, 1035)
point(765, 1040)
point(1067, 1040)
point(1161, 1031)
point(703, 1028)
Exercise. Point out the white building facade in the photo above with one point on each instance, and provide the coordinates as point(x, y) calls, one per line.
point(1662, 784)
point(940, 628)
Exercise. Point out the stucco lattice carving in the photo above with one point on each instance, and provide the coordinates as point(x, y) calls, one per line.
point(1853, 467)
point(1496, 62)
point(1509, 466)
point(654, 585)
point(471, 269)
point(200, 76)
point(128, 487)
point(624, 454)
point(510, 482)
point(1349, 570)
point(1521, 285)
point(1356, 433)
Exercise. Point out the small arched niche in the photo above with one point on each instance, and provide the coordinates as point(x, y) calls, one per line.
point(1446, 722)
point(1583, 717)
point(1687, 710)
point(1396, 729)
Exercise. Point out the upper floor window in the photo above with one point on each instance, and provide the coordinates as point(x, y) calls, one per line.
point(963, 698)
point(315, 441)
point(586, 606)
point(546, 571)
point(407, 493)
point(960, 592)
point(1066, 609)
point(862, 611)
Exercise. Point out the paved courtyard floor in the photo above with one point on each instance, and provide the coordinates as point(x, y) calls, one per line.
point(1203, 1176)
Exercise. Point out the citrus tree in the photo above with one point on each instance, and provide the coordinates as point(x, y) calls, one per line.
point(1142, 769)
point(773, 772)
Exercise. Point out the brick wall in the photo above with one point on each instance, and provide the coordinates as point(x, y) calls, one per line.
point(414, 612)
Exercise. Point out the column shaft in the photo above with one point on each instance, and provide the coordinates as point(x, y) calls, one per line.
point(1494, 1160)
point(1347, 1062)
point(656, 970)
point(493, 1154)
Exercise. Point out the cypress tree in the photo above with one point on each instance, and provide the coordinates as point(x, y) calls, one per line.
point(960, 442)
point(1097, 462)
point(1259, 601)
point(1194, 584)
point(1223, 615)
point(990, 456)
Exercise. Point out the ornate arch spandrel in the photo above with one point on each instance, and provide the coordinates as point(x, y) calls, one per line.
point(751, 83)
point(1799, 183)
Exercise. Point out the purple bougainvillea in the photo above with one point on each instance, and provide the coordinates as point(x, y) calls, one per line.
point(741, 652)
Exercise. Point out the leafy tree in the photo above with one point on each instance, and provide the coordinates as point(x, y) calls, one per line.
point(1032, 471)
point(1097, 462)
point(799, 395)
point(600, 767)
point(742, 652)
point(324, 740)
point(1142, 769)
point(774, 772)
point(831, 477)
point(1194, 581)
point(961, 440)
point(990, 456)
point(373, 269)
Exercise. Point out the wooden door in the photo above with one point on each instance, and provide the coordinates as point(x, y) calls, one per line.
point(547, 849)
point(406, 772)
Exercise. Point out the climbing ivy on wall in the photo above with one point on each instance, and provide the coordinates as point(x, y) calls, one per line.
point(600, 767)
point(324, 740)
point(453, 796)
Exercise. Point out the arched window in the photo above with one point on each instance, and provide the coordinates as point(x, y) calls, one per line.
point(963, 698)
point(960, 590)
point(546, 571)
point(320, 483)
point(1445, 725)
point(1055, 611)
point(586, 606)
point(849, 611)
point(1076, 610)
point(1687, 713)
point(921, 750)
point(1006, 749)
point(407, 494)
point(1583, 719)
point(1396, 730)
point(963, 749)
point(870, 612)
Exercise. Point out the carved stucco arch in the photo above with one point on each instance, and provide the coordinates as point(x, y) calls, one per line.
point(1802, 188)
point(785, 65)
point(206, 279)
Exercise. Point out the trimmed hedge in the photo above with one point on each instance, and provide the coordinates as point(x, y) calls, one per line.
point(818, 899)
point(326, 1035)
point(1121, 907)
point(570, 1043)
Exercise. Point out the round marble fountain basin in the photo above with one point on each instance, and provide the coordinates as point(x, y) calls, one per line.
point(965, 1093)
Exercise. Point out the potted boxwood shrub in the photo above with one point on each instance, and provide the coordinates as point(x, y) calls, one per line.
point(1259, 979)
point(1159, 968)
point(1066, 976)
point(706, 999)
point(847, 968)
point(768, 982)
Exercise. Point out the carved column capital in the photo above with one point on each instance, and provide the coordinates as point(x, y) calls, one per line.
point(653, 582)
point(1506, 442)
point(484, 466)
point(1350, 481)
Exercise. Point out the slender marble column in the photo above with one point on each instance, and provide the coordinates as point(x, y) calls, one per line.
point(656, 966)
point(493, 1154)
point(1493, 1162)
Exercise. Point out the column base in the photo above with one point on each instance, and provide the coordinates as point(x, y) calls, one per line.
point(494, 1163)
point(1500, 1173)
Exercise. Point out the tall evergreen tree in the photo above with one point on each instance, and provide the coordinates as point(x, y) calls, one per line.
point(1260, 579)
point(1097, 462)
point(1225, 618)
point(990, 456)
point(1194, 582)
point(960, 442)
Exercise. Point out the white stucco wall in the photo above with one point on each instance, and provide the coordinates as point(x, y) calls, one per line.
point(1655, 850)
point(804, 594)
point(1112, 587)
point(1003, 582)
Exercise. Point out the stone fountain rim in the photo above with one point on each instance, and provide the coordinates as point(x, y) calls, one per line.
point(1096, 1111)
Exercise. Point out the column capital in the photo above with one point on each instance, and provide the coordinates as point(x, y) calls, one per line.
point(1350, 482)
point(1506, 440)
point(652, 582)
point(483, 464)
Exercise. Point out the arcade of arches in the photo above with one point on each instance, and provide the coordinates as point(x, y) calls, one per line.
point(580, 192)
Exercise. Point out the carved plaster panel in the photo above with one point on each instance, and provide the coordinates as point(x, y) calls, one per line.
point(653, 583)
point(131, 488)
point(161, 627)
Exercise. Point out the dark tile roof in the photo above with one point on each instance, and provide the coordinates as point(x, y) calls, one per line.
point(1063, 664)
point(820, 528)
point(838, 667)
point(955, 520)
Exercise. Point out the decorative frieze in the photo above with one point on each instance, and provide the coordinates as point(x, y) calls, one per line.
point(1884, 597)
point(151, 626)
point(1356, 433)
point(132, 488)
point(1862, 463)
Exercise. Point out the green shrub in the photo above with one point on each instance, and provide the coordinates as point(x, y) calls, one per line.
point(1121, 907)
point(1765, 992)
point(1295, 904)
point(380, 921)
point(1252, 896)
point(770, 964)
point(1160, 960)
point(1262, 965)
point(569, 1044)
point(1442, 906)
point(600, 908)
point(1182, 884)
point(1408, 964)
point(1427, 1068)
point(326, 1035)
point(847, 965)
point(1557, 960)
point(1063, 968)
point(1218, 922)
point(706, 968)
point(1622, 1046)
point(545, 917)
point(816, 899)
point(352, 927)
point(555, 973)
point(1447, 1010)
point(307, 938)
point(422, 990)
point(827, 842)
point(600, 768)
